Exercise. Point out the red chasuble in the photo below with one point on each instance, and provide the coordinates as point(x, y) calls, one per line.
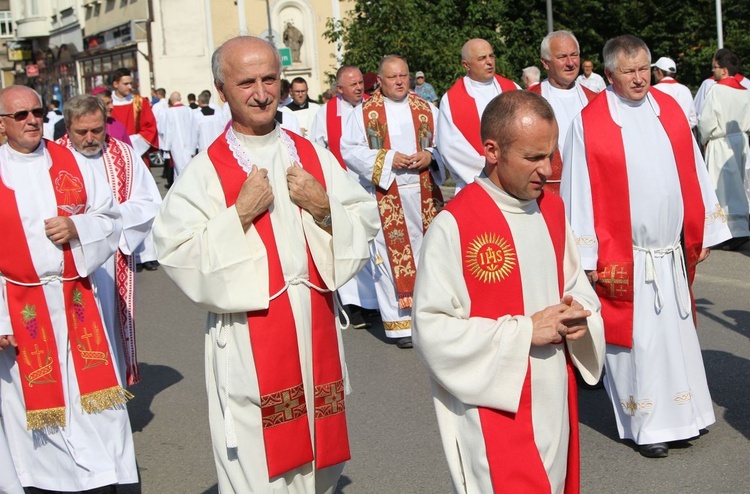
point(605, 155)
point(138, 118)
point(464, 110)
point(553, 181)
point(493, 279)
point(733, 82)
point(273, 339)
point(37, 352)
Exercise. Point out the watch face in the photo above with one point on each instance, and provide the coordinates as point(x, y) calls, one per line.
point(325, 222)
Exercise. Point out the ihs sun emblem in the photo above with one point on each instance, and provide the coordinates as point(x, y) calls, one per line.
point(490, 258)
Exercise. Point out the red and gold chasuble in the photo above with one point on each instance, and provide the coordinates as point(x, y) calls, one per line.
point(37, 354)
point(273, 338)
point(118, 163)
point(605, 155)
point(553, 181)
point(389, 201)
point(493, 279)
point(464, 111)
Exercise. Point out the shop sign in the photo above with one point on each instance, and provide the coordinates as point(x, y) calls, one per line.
point(19, 50)
point(32, 71)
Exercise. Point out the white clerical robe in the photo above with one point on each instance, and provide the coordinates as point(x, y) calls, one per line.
point(459, 156)
point(179, 134)
point(706, 85)
point(681, 93)
point(93, 449)
point(724, 124)
point(207, 128)
point(658, 388)
point(361, 159)
point(479, 362)
point(137, 213)
point(205, 251)
point(160, 109)
point(9, 483)
point(595, 82)
point(567, 104)
point(305, 117)
point(360, 290)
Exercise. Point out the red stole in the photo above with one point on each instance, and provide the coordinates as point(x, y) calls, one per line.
point(138, 118)
point(493, 279)
point(333, 129)
point(118, 163)
point(464, 110)
point(273, 338)
point(733, 82)
point(37, 354)
point(605, 155)
point(553, 181)
point(389, 201)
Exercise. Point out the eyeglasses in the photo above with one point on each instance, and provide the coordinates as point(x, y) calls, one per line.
point(22, 115)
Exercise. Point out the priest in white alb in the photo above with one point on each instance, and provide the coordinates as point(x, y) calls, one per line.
point(724, 124)
point(504, 311)
point(461, 109)
point(389, 142)
point(259, 230)
point(138, 198)
point(61, 400)
point(179, 133)
point(644, 214)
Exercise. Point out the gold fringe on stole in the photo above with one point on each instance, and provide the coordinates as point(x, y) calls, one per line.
point(42, 419)
point(405, 302)
point(377, 170)
point(105, 399)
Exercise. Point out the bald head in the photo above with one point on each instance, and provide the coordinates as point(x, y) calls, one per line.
point(478, 58)
point(23, 126)
point(175, 97)
point(350, 84)
point(242, 44)
point(10, 92)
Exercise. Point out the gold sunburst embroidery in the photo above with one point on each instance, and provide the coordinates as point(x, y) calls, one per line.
point(490, 258)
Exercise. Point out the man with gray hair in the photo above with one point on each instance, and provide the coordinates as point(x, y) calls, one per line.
point(461, 108)
point(664, 71)
point(531, 76)
point(561, 58)
point(135, 191)
point(179, 133)
point(644, 213)
point(259, 230)
point(61, 398)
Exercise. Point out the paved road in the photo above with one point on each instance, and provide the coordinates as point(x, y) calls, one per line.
point(395, 443)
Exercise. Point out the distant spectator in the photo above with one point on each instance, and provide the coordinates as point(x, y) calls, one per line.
point(591, 79)
point(424, 89)
point(531, 76)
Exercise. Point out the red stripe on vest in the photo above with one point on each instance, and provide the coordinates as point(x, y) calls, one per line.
point(273, 337)
point(493, 280)
point(333, 129)
point(465, 114)
point(605, 155)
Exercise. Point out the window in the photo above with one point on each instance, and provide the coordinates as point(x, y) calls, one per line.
point(6, 24)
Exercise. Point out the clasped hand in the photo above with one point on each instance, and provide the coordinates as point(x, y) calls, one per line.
point(60, 229)
point(564, 320)
point(417, 161)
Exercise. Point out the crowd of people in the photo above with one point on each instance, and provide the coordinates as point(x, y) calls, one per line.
point(579, 217)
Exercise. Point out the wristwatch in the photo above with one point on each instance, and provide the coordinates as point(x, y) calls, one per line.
point(325, 222)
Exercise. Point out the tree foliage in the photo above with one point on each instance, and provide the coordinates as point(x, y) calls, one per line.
point(430, 33)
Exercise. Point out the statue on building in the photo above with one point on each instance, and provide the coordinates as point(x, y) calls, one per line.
point(293, 39)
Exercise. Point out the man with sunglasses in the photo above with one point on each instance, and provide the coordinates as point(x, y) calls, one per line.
point(60, 396)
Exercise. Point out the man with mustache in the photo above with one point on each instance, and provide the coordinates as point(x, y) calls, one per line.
point(135, 191)
point(644, 213)
point(561, 58)
point(259, 230)
point(461, 109)
point(61, 397)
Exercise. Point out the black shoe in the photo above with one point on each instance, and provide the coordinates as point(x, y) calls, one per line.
point(404, 343)
point(656, 450)
point(355, 317)
point(734, 243)
point(151, 265)
point(139, 267)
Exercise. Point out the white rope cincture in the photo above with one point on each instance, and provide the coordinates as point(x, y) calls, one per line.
point(43, 280)
point(679, 272)
point(298, 280)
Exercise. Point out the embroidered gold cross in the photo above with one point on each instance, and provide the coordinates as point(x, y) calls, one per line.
point(287, 405)
point(37, 352)
point(631, 406)
point(614, 283)
point(86, 337)
point(334, 398)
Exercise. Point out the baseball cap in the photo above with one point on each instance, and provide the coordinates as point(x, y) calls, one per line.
point(419, 74)
point(665, 64)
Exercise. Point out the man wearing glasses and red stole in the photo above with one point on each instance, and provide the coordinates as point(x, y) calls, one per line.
point(62, 402)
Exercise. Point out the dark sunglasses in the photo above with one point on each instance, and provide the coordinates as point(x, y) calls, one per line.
point(22, 115)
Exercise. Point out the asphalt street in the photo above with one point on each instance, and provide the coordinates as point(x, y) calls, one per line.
point(393, 431)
